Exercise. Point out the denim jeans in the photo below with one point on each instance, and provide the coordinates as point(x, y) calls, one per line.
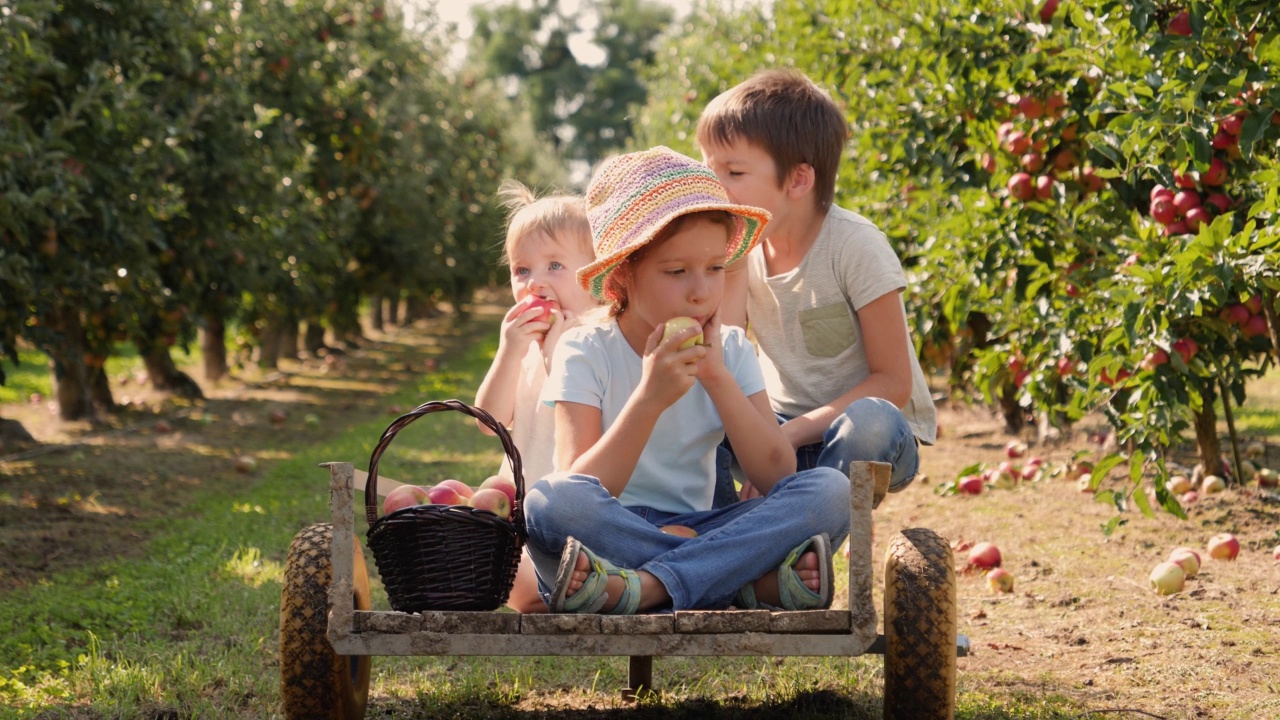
point(870, 429)
point(735, 545)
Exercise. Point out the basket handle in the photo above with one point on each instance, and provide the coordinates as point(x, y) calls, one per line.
point(371, 483)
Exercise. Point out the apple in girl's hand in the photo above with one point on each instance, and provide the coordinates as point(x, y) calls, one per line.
point(493, 500)
point(675, 325)
point(460, 487)
point(985, 555)
point(1167, 578)
point(498, 482)
point(403, 497)
point(1187, 559)
point(1224, 546)
point(1000, 580)
point(533, 301)
point(445, 495)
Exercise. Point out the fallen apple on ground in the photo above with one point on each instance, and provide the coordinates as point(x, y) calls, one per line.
point(245, 464)
point(1212, 484)
point(1000, 580)
point(1187, 559)
point(1266, 478)
point(1168, 578)
point(1178, 484)
point(971, 485)
point(1224, 546)
point(985, 555)
point(403, 497)
point(1015, 449)
point(677, 324)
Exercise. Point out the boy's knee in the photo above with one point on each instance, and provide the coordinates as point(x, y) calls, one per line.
point(872, 425)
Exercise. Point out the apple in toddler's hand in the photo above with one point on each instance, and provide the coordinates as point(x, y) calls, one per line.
point(499, 482)
point(1224, 546)
point(1187, 559)
point(985, 555)
point(458, 486)
point(403, 497)
point(675, 325)
point(546, 316)
point(493, 500)
point(1000, 580)
point(1168, 578)
point(445, 495)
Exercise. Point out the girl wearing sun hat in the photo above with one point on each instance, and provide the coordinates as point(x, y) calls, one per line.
point(639, 415)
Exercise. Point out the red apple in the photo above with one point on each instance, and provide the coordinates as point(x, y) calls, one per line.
point(1017, 142)
point(1168, 578)
point(1185, 200)
point(1185, 180)
point(971, 485)
point(1177, 228)
point(403, 497)
point(445, 496)
point(1187, 559)
point(1015, 449)
point(1236, 314)
point(1233, 123)
point(1160, 191)
point(1189, 497)
point(1196, 217)
point(989, 162)
point(1000, 580)
point(458, 486)
point(546, 316)
point(1180, 24)
point(1178, 484)
point(499, 482)
point(1032, 162)
point(1223, 140)
point(1266, 478)
point(1275, 554)
point(676, 325)
point(1066, 160)
point(1221, 201)
point(1254, 303)
point(493, 500)
point(679, 531)
point(1044, 187)
point(278, 417)
point(1066, 368)
point(985, 555)
point(1155, 359)
point(1216, 174)
point(245, 464)
point(1187, 348)
point(1163, 210)
point(1031, 107)
point(1021, 187)
point(1256, 325)
point(1224, 546)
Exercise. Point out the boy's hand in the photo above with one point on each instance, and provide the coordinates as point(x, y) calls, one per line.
point(668, 372)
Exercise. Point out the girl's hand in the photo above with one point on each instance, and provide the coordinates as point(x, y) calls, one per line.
point(520, 327)
point(668, 372)
point(712, 367)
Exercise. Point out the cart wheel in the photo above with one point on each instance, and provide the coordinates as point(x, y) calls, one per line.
point(315, 681)
point(919, 627)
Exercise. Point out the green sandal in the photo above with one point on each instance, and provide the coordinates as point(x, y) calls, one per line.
point(792, 591)
point(591, 597)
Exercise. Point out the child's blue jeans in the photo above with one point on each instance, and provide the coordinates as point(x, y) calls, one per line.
point(871, 429)
point(735, 545)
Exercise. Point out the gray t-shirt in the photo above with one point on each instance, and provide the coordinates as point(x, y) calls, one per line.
point(806, 320)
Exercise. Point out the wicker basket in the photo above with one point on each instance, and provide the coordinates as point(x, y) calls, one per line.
point(445, 557)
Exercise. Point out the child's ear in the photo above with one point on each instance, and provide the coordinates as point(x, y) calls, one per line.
point(800, 180)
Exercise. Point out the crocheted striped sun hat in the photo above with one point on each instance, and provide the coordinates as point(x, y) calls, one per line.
point(634, 196)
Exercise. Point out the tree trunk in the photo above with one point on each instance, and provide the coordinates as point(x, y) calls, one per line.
point(100, 389)
point(164, 374)
point(269, 345)
point(288, 339)
point(393, 310)
point(13, 435)
point(213, 345)
point(1014, 416)
point(419, 307)
point(1206, 425)
point(375, 313)
point(70, 376)
point(313, 339)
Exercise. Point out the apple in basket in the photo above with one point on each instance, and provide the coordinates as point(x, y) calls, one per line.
point(493, 500)
point(460, 487)
point(445, 495)
point(403, 497)
point(499, 482)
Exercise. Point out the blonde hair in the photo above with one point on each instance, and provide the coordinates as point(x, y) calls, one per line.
point(554, 216)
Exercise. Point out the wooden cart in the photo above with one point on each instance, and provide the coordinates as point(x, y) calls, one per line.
point(328, 631)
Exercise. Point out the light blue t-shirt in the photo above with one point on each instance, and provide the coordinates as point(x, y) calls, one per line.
point(594, 365)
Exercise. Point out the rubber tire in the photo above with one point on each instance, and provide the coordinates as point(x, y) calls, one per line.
point(315, 682)
point(919, 627)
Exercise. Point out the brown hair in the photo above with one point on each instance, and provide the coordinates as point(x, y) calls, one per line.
point(619, 280)
point(553, 216)
point(790, 117)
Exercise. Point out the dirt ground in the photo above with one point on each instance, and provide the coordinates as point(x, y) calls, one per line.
point(1081, 622)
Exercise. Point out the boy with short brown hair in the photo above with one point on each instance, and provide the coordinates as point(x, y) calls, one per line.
point(823, 289)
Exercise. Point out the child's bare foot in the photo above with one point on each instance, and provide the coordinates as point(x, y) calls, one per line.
point(806, 568)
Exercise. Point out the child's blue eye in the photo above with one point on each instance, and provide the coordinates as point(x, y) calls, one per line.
point(520, 271)
point(556, 265)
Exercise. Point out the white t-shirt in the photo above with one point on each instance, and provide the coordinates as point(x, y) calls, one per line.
point(533, 425)
point(594, 365)
point(806, 320)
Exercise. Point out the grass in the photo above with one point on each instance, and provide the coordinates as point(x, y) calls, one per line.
point(187, 628)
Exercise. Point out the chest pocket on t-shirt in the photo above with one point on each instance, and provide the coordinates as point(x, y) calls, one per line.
point(827, 330)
